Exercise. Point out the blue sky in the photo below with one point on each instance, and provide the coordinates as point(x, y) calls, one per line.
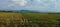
point(39, 5)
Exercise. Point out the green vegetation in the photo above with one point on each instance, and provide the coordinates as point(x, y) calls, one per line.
point(28, 19)
point(42, 20)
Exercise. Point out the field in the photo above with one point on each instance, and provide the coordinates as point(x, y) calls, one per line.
point(28, 19)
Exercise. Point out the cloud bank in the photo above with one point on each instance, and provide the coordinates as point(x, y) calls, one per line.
point(39, 5)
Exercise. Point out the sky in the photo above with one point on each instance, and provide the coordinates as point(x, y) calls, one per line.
point(38, 5)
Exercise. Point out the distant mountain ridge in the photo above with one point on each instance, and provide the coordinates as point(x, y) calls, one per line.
point(32, 11)
point(24, 11)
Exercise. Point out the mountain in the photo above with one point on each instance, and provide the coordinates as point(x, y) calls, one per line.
point(30, 11)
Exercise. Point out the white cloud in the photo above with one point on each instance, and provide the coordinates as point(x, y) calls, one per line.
point(41, 5)
point(20, 2)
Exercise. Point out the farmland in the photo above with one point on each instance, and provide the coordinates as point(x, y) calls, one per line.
point(28, 19)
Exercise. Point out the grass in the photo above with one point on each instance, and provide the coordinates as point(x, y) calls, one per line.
point(28, 19)
point(43, 20)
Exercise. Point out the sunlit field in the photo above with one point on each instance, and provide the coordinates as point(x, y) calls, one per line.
point(28, 19)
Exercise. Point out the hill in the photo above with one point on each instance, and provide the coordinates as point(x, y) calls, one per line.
point(23, 11)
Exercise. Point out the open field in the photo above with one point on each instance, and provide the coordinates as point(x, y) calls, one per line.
point(28, 19)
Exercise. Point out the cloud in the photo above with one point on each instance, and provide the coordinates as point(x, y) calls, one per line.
point(20, 2)
point(39, 5)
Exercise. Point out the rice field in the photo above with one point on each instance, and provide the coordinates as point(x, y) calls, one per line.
point(28, 19)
